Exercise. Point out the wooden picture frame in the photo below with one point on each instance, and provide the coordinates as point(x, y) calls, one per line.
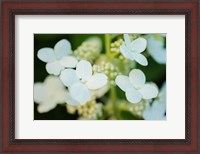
point(189, 8)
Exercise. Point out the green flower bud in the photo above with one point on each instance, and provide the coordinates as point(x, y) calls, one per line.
point(137, 109)
point(115, 47)
point(89, 50)
point(107, 68)
point(90, 110)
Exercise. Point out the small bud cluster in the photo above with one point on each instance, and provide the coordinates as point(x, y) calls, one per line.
point(88, 50)
point(137, 109)
point(108, 68)
point(115, 50)
point(115, 46)
point(90, 110)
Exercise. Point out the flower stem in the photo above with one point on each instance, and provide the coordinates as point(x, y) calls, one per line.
point(107, 45)
point(112, 89)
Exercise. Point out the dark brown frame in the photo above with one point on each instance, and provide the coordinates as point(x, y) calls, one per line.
point(189, 8)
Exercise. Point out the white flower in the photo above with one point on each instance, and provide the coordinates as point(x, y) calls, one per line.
point(58, 58)
point(49, 93)
point(156, 49)
point(158, 108)
point(100, 92)
point(133, 50)
point(81, 81)
point(135, 87)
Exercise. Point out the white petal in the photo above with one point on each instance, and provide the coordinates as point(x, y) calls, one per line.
point(69, 100)
point(84, 70)
point(155, 112)
point(156, 50)
point(69, 77)
point(100, 92)
point(62, 48)
point(133, 95)
point(55, 90)
point(80, 93)
point(39, 92)
point(159, 108)
point(162, 94)
point(97, 81)
point(139, 45)
point(127, 40)
point(150, 114)
point(46, 55)
point(59, 97)
point(160, 56)
point(126, 52)
point(147, 114)
point(69, 61)
point(54, 68)
point(46, 107)
point(163, 88)
point(140, 59)
point(123, 82)
point(53, 82)
point(137, 78)
point(149, 91)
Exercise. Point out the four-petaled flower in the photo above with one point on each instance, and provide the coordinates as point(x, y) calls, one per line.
point(135, 87)
point(81, 82)
point(49, 94)
point(133, 50)
point(58, 58)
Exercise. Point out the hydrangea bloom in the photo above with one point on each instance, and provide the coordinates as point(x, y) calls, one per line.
point(158, 108)
point(133, 50)
point(156, 49)
point(81, 81)
point(49, 93)
point(58, 58)
point(86, 79)
point(135, 87)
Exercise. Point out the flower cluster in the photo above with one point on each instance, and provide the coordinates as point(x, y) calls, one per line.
point(107, 68)
point(115, 46)
point(81, 82)
point(97, 81)
point(91, 110)
point(89, 50)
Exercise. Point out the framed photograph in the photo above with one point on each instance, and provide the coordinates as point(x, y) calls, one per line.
point(114, 76)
